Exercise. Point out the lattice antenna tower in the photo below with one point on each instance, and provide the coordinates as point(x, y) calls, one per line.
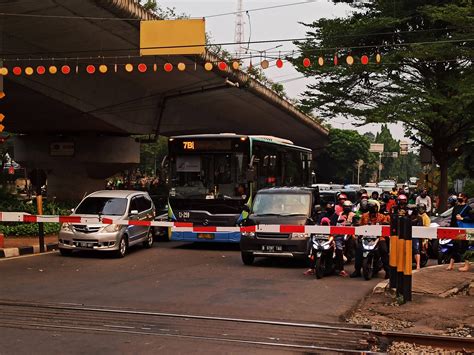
point(239, 29)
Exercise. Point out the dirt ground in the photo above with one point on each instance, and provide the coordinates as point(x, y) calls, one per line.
point(431, 314)
point(15, 242)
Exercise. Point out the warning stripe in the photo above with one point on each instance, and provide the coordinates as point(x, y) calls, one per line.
point(376, 230)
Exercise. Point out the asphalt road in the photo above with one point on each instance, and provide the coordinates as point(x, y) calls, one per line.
point(193, 279)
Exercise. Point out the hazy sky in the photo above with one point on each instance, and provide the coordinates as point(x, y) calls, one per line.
point(277, 23)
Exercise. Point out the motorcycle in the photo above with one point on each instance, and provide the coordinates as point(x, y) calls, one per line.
point(445, 247)
point(323, 253)
point(369, 253)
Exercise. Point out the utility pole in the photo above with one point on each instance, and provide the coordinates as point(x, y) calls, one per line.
point(239, 29)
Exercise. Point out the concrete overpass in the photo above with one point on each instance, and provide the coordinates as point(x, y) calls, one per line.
point(98, 113)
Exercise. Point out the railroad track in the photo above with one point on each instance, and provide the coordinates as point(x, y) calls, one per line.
point(271, 334)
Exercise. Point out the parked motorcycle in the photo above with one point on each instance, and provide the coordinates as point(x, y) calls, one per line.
point(323, 253)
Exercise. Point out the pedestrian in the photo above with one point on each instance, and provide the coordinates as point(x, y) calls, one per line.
point(461, 213)
point(425, 199)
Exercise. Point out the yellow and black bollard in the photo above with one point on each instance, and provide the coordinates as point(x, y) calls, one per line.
point(408, 258)
point(400, 255)
point(394, 231)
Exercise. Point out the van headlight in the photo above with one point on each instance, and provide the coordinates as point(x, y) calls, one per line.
point(111, 228)
point(248, 234)
point(299, 235)
point(66, 227)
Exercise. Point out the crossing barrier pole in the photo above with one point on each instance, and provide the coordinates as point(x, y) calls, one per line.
point(407, 270)
point(394, 231)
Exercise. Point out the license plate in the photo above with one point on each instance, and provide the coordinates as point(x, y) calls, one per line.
point(272, 248)
point(85, 244)
point(205, 236)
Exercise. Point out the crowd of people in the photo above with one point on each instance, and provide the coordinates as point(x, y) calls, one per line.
point(377, 210)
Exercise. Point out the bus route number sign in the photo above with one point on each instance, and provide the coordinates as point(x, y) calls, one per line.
point(188, 145)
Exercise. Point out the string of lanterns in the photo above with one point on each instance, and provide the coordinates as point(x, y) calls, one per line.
point(167, 67)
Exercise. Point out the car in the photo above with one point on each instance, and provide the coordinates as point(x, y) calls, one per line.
point(373, 189)
point(387, 185)
point(279, 205)
point(322, 187)
point(371, 184)
point(356, 187)
point(115, 205)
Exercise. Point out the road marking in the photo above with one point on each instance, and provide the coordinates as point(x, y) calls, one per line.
point(28, 256)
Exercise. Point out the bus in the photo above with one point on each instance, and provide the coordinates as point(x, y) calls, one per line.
point(212, 177)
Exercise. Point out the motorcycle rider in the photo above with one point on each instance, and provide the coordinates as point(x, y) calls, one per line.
point(461, 212)
point(417, 243)
point(325, 221)
point(341, 199)
point(373, 217)
point(344, 219)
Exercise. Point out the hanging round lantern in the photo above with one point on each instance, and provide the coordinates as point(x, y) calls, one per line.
point(208, 66)
point(128, 67)
point(306, 62)
point(378, 58)
point(155, 67)
point(364, 60)
point(29, 71)
point(264, 64)
point(181, 66)
point(168, 67)
point(235, 65)
point(349, 60)
point(40, 70)
point(90, 69)
point(16, 70)
point(53, 69)
point(279, 63)
point(222, 65)
point(335, 60)
point(65, 69)
point(103, 68)
point(142, 67)
point(3, 71)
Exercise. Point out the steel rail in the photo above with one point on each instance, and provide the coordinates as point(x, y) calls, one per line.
point(384, 336)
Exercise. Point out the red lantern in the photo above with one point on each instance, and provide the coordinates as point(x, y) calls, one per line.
point(222, 65)
point(279, 63)
point(306, 62)
point(168, 67)
point(335, 59)
point(16, 70)
point(40, 70)
point(90, 69)
point(364, 60)
point(142, 67)
point(65, 69)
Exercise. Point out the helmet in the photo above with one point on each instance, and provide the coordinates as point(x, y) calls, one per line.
point(373, 206)
point(364, 196)
point(342, 196)
point(325, 221)
point(347, 203)
point(452, 199)
point(421, 208)
point(402, 198)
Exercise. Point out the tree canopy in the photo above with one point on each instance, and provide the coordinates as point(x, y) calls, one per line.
point(425, 79)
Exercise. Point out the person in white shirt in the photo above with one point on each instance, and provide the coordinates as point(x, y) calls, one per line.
point(425, 199)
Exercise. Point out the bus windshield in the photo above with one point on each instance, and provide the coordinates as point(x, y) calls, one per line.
point(197, 176)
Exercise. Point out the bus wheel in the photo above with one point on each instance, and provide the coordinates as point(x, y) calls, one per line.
point(247, 258)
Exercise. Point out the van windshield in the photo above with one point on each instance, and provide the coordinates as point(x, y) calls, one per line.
point(282, 204)
point(110, 206)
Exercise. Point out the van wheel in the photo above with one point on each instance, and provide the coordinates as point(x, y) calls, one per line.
point(148, 243)
point(123, 246)
point(65, 252)
point(247, 258)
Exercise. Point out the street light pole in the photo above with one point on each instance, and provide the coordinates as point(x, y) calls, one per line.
point(380, 166)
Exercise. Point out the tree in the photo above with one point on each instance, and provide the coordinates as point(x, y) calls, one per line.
point(338, 160)
point(151, 155)
point(425, 79)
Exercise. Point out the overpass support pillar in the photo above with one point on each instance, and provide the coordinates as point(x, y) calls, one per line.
point(76, 165)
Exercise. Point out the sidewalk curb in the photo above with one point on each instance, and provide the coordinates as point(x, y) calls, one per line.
point(25, 250)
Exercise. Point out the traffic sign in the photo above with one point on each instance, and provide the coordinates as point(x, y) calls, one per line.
point(376, 147)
